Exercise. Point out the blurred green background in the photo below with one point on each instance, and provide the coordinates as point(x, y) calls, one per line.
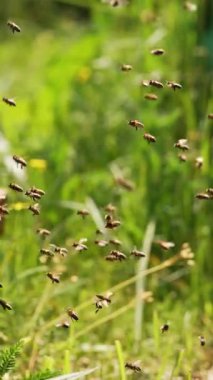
point(71, 125)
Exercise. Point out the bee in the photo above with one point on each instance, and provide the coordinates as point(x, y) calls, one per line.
point(72, 314)
point(32, 195)
point(61, 250)
point(102, 301)
point(145, 83)
point(202, 196)
point(80, 245)
point(125, 67)
point(202, 340)
point(125, 183)
point(115, 255)
point(43, 232)
point(156, 83)
point(83, 213)
point(5, 305)
point(149, 137)
point(191, 7)
point(136, 124)
point(14, 27)
point(133, 367)
point(164, 328)
point(210, 116)
point(110, 208)
point(64, 324)
point(3, 210)
point(182, 144)
point(182, 157)
point(137, 253)
point(55, 278)
point(35, 209)
point(16, 187)
point(158, 51)
point(166, 245)
point(174, 85)
point(151, 97)
point(46, 252)
point(110, 223)
point(101, 243)
point(99, 232)
point(210, 191)
point(10, 102)
point(37, 191)
point(115, 242)
point(199, 162)
point(20, 161)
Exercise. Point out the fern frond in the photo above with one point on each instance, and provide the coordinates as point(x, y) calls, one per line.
point(8, 358)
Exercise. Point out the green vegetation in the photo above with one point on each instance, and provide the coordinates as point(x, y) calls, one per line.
point(71, 125)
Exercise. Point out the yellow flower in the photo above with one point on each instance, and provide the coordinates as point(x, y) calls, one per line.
point(37, 163)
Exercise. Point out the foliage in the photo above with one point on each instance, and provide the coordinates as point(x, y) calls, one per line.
point(8, 358)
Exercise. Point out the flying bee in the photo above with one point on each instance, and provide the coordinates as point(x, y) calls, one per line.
point(20, 161)
point(83, 213)
point(5, 305)
point(10, 102)
point(102, 301)
point(110, 223)
point(46, 252)
point(133, 367)
point(14, 27)
point(80, 245)
point(37, 191)
point(64, 324)
point(110, 208)
point(182, 157)
point(32, 195)
point(125, 183)
point(110, 258)
point(137, 253)
point(35, 209)
point(61, 250)
point(99, 232)
point(149, 138)
point(72, 314)
point(145, 83)
point(202, 196)
point(101, 243)
point(199, 162)
point(156, 83)
point(164, 328)
point(115, 242)
point(151, 97)
point(16, 187)
point(202, 340)
point(166, 245)
point(55, 278)
point(191, 7)
point(210, 116)
point(182, 144)
point(158, 52)
point(174, 85)
point(3, 210)
point(136, 124)
point(43, 232)
point(125, 67)
point(119, 256)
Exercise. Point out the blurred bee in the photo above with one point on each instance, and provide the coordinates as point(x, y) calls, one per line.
point(137, 253)
point(149, 137)
point(133, 367)
point(174, 85)
point(199, 162)
point(5, 305)
point(209, 191)
point(202, 340)
point(125, 183)
point(32, 195)
point(145, 83)
point(110, 223)
point(210, 116)
point(136, 124)
point(191, 7)
point(46, 252)
point(43, 232)
point(3, 210)
point(99, 232)
point(83, 213)
point(125, 67)
point(156, 83)
point(14, 27)
point(158, 51)
point(37, 191)
point(115, 255)
point(102, 301)
point(20, 161)
point(182, 144)
point(1, 286)
point(80, 245)
point(35, 209)
point(61, 250)
point(166, 245)
point(101, 243)
point(16, 187)
point(202, 196)
point(55, 278)
point(10, 102)
point(72, 314)
point(116, 3)
point(164, 328)
point(110, 208)
point(64, 324)
point(115, 242)
point(151, 97)
point(182, 157)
